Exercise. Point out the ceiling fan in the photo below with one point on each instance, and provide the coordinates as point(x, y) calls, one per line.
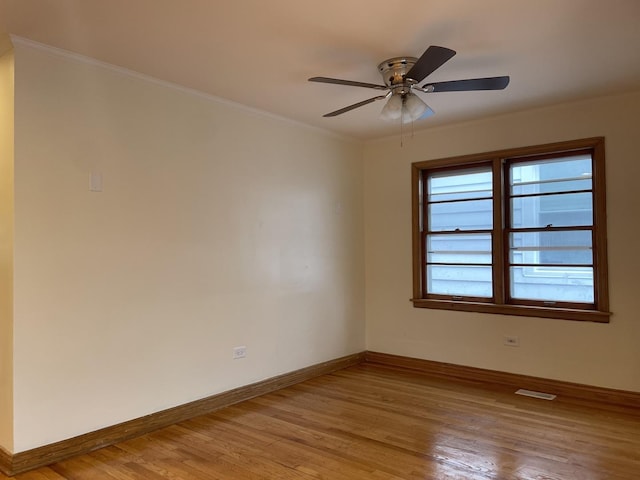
point(401, 76)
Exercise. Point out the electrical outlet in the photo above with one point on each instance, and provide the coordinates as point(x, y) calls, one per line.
point(239, 352)
point(511, 341)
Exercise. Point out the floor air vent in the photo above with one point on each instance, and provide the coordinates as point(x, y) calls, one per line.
point(531, 393)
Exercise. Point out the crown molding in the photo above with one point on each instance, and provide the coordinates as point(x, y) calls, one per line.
point(79, 58)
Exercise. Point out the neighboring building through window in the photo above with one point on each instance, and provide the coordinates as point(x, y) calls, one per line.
point(519, 232)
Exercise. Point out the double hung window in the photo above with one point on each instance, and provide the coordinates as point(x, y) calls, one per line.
point(519, 232)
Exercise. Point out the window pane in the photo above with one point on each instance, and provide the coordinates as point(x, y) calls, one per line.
point(461, 184)
point(459, 248)
point(557, 247)
point(559, 284)
point(562, 210)
point(463, 280)
point(547, 176)
point(465, 215)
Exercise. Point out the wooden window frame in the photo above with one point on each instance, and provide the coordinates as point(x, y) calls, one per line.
point(501, 303)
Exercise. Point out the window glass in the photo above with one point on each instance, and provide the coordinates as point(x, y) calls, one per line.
point(552, 284)
point(460, 280)
point(458, 185)
point(562, 210)
point(461, 215)
point(460, 248)
point(552, 175)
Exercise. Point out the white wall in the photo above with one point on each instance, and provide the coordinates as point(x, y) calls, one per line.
point(597, 354)
point(6, 246)
point(217, 227)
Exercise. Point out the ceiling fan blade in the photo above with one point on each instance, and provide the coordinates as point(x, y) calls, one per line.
point(355, 105)
point(490, 83)
point(347, 82)
point(432, 59)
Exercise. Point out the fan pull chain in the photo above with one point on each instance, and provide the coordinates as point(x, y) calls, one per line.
point(402, 131)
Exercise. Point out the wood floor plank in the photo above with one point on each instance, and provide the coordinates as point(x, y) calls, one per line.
point(379, 423)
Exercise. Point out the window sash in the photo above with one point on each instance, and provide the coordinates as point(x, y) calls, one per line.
point(546, 283)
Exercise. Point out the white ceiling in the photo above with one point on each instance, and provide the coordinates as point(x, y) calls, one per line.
point(260, 52)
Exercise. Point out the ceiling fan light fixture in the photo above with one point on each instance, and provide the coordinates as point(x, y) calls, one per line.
point(392, 110)
point(414, 108)
point(408, 107)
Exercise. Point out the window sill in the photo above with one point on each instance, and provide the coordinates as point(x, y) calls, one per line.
point(557, 313)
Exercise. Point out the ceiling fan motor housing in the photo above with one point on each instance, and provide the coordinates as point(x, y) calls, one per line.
point(394, 71)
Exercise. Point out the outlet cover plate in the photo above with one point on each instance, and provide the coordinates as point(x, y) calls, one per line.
point(239, 352)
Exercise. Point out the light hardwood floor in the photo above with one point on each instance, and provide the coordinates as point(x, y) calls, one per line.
point(379, 423)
